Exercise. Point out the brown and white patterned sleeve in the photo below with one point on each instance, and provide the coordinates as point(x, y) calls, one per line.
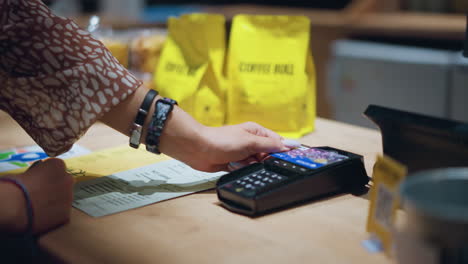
point(56, 80)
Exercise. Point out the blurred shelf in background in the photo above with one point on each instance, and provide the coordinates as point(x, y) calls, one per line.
point(368, 18)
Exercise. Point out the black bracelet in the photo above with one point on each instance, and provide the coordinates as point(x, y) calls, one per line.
point(163, 108)
point(135, 133)
point(26, 240)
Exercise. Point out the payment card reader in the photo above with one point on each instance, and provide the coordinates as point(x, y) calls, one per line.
point(289, 177)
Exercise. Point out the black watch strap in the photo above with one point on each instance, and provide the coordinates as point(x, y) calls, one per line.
point(135, 133)
point(163, 107)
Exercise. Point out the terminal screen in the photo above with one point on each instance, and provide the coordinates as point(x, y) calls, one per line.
point(311, 158)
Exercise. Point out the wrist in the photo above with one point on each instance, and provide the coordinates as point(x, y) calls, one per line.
point(182, 135)
point(12, 203)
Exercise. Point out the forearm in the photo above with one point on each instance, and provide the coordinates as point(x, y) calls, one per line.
point(203, 148)
point(180, 128)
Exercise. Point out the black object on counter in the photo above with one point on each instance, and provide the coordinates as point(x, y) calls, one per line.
point(419, 141)
point(278, 182)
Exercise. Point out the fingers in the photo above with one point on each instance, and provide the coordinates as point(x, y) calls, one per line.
point(240, 164)
point(251, 127)
point(51, 190)
point(232, 166)
point(240, 142)
point(259, 130)
point(272, 134)
point(261, 156)
point(35, 163)
point(291, 143)
point(263, 139)
point(51, 166)
point(216, 168)
point(259, 144)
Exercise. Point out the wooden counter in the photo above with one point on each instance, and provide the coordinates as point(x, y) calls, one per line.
point(196, 229)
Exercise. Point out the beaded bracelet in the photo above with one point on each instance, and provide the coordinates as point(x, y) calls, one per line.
point(162, 110)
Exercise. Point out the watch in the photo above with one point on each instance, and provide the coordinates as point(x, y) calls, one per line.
point(163, 107)
point(136, 131)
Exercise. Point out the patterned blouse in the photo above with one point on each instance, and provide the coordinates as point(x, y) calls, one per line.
point(56, 80)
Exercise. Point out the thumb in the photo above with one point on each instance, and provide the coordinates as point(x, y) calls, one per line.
point(261, 144)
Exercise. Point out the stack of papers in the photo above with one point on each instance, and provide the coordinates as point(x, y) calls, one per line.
point(117, 179)
point(139, 187)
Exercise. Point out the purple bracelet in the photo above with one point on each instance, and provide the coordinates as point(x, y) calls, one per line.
point(29, 208)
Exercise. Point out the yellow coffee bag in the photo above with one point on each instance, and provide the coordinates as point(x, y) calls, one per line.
point(190, 66)
point(271, 74)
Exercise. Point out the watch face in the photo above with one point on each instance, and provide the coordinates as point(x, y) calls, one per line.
point(312, 158)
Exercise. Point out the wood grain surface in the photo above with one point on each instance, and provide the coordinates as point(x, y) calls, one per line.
point(196, 229)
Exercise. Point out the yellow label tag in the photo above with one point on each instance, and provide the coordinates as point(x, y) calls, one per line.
point(384, 199)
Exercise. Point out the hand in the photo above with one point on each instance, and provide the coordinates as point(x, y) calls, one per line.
point(51, 192)
point(203, 148)
point(216, 147)
point(241, 144)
